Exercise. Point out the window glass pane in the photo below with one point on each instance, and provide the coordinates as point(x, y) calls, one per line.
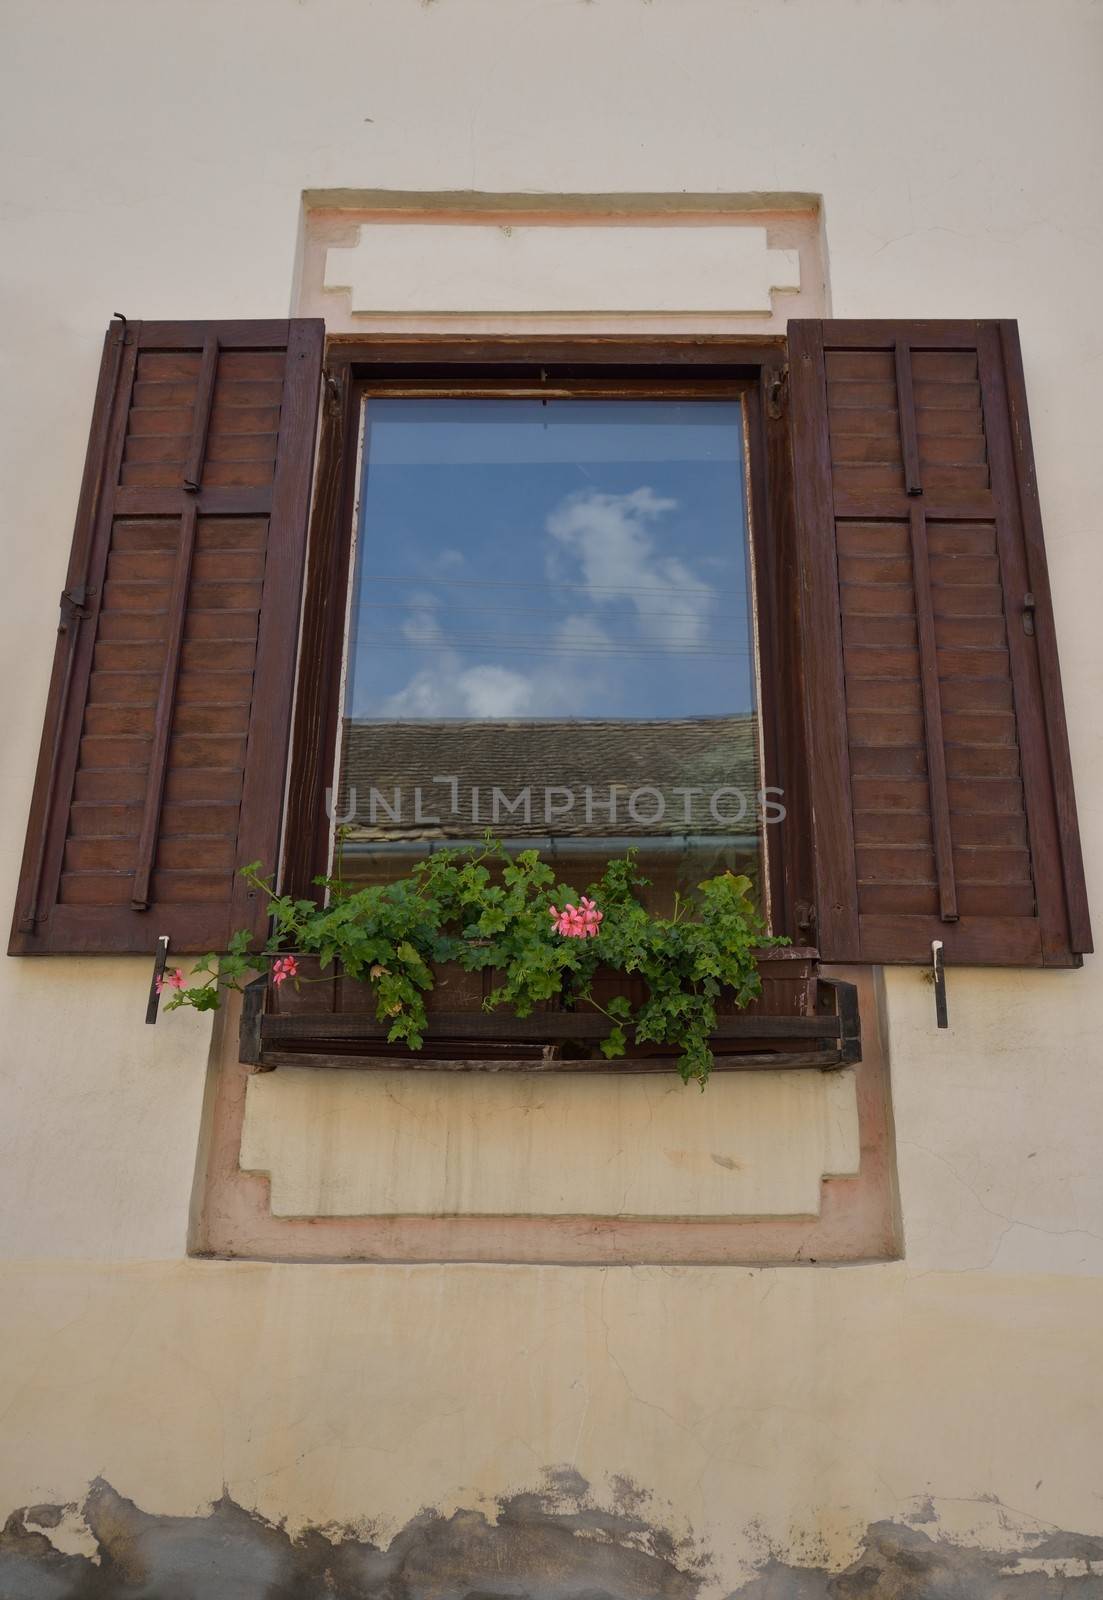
point(551, 636)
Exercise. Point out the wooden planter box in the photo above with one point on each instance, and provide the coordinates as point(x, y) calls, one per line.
point(800, 1020)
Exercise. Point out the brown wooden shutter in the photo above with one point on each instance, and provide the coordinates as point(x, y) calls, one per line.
point(942, 788)
point(161, 770)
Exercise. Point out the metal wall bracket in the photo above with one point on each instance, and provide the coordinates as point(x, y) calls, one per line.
point(938, 969)
point(159, 962)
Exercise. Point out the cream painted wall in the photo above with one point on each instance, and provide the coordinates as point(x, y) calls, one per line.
point(763, 1411)
point(158, 151)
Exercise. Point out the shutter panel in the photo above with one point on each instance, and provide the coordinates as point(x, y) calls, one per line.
point(161, 770)
point(942, 787)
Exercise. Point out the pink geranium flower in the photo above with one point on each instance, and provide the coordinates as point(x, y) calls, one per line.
point(577, 922)
point(174, 980)
point(284, 967)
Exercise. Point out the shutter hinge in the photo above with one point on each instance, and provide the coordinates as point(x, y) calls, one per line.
point(332, 390)
point(777, 392)
point(806, 916)
point(73, 603)
point(1028, 614)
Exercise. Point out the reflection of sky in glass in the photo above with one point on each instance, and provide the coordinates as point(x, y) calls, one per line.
point(568, 558)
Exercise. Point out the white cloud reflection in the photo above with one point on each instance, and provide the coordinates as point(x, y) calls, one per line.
point(449, 688)
point(603, 556)
point(609, 537)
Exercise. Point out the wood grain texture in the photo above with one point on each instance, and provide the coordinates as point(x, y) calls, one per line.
point(955, 804)
point(326, 1018)
point(782, 667)
point(306, 845)
point(1045, 631)
point(905, 401)
point(934, 730)
point(73, 614)
point(161, 720)
point(828, 743)
point(272, 1057)
point(150, 811)
point(280, 608)
point(200, 407)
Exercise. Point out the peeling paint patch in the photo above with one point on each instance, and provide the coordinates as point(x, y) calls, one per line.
point(898, 1562)
point(552, 1543)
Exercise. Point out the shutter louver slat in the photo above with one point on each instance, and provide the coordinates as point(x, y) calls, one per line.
point(942, 790)
point(55, 757)
point(194, 554)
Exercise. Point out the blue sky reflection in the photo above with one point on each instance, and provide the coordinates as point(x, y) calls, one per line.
point(563, 559)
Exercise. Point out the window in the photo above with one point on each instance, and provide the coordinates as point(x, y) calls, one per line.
point(562, 619)
point(551, 629)
point(853, 513)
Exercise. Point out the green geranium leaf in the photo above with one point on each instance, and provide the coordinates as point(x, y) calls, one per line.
point(489, 912)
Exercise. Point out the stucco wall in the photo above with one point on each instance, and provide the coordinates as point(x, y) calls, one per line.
point(158, 153)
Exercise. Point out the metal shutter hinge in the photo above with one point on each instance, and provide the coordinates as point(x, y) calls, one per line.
point(74, 603)
point(1028, 614)
point(777, 393)
point(332, 390)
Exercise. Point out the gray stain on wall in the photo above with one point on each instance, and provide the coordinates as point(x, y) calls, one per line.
point(546, 1544)
point(555, 1543)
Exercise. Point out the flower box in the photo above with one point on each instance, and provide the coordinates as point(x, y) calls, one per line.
point(801, 1019)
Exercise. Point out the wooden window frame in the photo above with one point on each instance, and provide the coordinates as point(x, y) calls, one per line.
point(755, 368)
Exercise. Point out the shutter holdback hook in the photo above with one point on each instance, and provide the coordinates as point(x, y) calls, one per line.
point(160, 960)
point(938, 978)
